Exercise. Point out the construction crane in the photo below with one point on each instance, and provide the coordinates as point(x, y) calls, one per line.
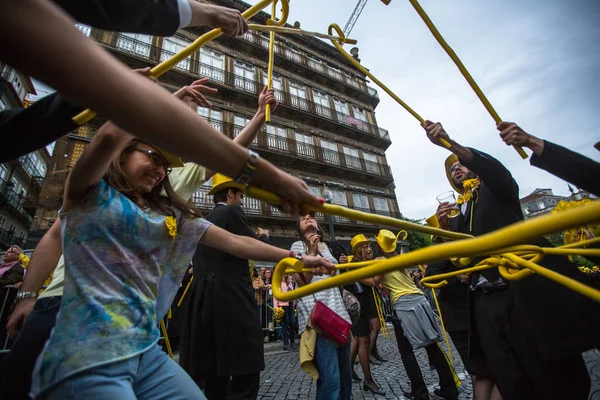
point(356, 13)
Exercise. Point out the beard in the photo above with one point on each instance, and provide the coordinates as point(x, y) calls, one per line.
point(465, 177)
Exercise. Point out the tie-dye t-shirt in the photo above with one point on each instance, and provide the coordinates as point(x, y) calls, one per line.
point(115, 255)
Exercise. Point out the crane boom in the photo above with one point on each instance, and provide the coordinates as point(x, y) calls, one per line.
point(354, 17)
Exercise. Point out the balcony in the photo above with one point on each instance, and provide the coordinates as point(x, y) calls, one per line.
point(257, 209)
point(291, 106)
point(308, 157)
point(29, 166)
point(8, 238)
point(290, 59)
point(13, 203)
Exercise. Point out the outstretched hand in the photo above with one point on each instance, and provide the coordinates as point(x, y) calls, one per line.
point(193, 93)
point(435, 132)
point(513, 135)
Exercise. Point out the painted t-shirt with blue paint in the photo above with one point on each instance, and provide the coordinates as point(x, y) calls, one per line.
point(115, 255)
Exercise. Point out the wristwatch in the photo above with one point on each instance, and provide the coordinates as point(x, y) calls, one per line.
point(296, 254)
point(245, 176)
point(26, 295)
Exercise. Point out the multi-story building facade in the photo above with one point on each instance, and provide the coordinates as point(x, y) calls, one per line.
point(323, 131)
point(542, 201)
point(19, 178)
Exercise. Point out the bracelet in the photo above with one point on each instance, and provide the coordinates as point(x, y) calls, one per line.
point(296, 254)
point(26, 295)
point(245, 176)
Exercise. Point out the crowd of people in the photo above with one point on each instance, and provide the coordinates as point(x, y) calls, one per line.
point(127, 237)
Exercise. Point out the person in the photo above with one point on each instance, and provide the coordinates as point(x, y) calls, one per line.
point(572, 167)
point(417, 327)
point(11, 273)
point(361, 330)
point(520, 325)
point(288, 321)
point(48, 119)
point(221, 339)
point(331, 362)
point(35, 329)
point(122, 240)
point(94, 80)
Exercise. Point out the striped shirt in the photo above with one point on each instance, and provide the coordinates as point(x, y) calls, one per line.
point(331, 297)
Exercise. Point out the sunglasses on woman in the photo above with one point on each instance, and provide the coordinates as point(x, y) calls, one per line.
point(157, 159)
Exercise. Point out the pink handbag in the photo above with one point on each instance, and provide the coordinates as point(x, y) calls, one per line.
point(329, 324)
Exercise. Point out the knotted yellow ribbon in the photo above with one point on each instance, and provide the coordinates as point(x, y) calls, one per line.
point(470, 186)
point(171, 224)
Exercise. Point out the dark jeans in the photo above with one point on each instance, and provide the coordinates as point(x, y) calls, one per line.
point(18, 365)
point(411, 365)
point(242, 387)
point(335, 370)
point(288, 325)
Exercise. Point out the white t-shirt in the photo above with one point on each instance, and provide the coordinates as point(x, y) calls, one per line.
point(331, 297)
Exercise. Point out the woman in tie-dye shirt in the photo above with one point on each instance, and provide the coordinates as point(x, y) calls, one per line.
point(125, 232)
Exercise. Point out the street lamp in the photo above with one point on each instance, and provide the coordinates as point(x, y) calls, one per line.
point(328, 199)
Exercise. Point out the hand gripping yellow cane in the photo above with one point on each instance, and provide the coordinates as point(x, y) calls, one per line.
point(166, 65)
point(462, 68)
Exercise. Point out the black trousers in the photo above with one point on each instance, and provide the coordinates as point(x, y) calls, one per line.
point(413, 370)
point(517, 368)
point(18, 365)
point(241, 387)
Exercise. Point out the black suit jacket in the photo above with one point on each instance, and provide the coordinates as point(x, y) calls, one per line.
point(570, 166)
point(222, 332)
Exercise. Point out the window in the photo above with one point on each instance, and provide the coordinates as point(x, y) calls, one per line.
point(339, 197)
point(135, 43)
point(240, 122)
point(330, 152)
point(265, 39)
point(381, 205)
point(172, 46)
point(277, 137)
point(293, 55)
point(212, 64)
point(360, 113)
point(298, 92)
point(321, 103)
point(304, 145)
point(214, 117)
point(3, 172)
point(315, 190)
point(341, 109)
point(316, 64)
point(335, 73)
point(86, 30)
point(277, 84)
point(541, 205)
point(352, 81)
point(360, 201)
point(244, 76)
point(2, 222)
point(12, 228)
point(526, 211)
point(351, 156)
point(371, 163)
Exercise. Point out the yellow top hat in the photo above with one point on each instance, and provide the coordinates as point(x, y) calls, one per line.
point(388, 241)
point(452, 158)
point(220, 182)
point(358, 240)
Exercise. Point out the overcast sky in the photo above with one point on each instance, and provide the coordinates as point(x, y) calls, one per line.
point(537, 61)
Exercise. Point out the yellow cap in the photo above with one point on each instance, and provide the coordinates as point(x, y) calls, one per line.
point(452, 158)
point(220, 182)
point(357, 241)
point(388, 241)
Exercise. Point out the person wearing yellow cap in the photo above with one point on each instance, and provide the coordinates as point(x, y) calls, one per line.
point(417, 327)
point(361, 329)
point(526, 329)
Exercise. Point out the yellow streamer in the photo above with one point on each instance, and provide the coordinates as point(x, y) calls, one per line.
point(335, 27)
point(187, 287)
point(166, 65)
point(462, 68)
point(163, 329)
point(384, 329)
point(494, 242)
point(271, 58)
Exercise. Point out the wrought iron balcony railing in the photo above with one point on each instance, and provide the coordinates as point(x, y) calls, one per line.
point(8, 197)
point(245, 84)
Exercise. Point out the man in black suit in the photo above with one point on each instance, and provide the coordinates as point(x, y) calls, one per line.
point(529, 330)
point(221, 338)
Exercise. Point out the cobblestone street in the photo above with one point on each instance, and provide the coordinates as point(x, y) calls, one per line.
point(283, 379)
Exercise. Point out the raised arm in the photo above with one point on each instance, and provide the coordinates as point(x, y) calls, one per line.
point(573, 167)
point(97, 80)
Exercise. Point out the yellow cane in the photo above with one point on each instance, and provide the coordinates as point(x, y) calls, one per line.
point(166, 65)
